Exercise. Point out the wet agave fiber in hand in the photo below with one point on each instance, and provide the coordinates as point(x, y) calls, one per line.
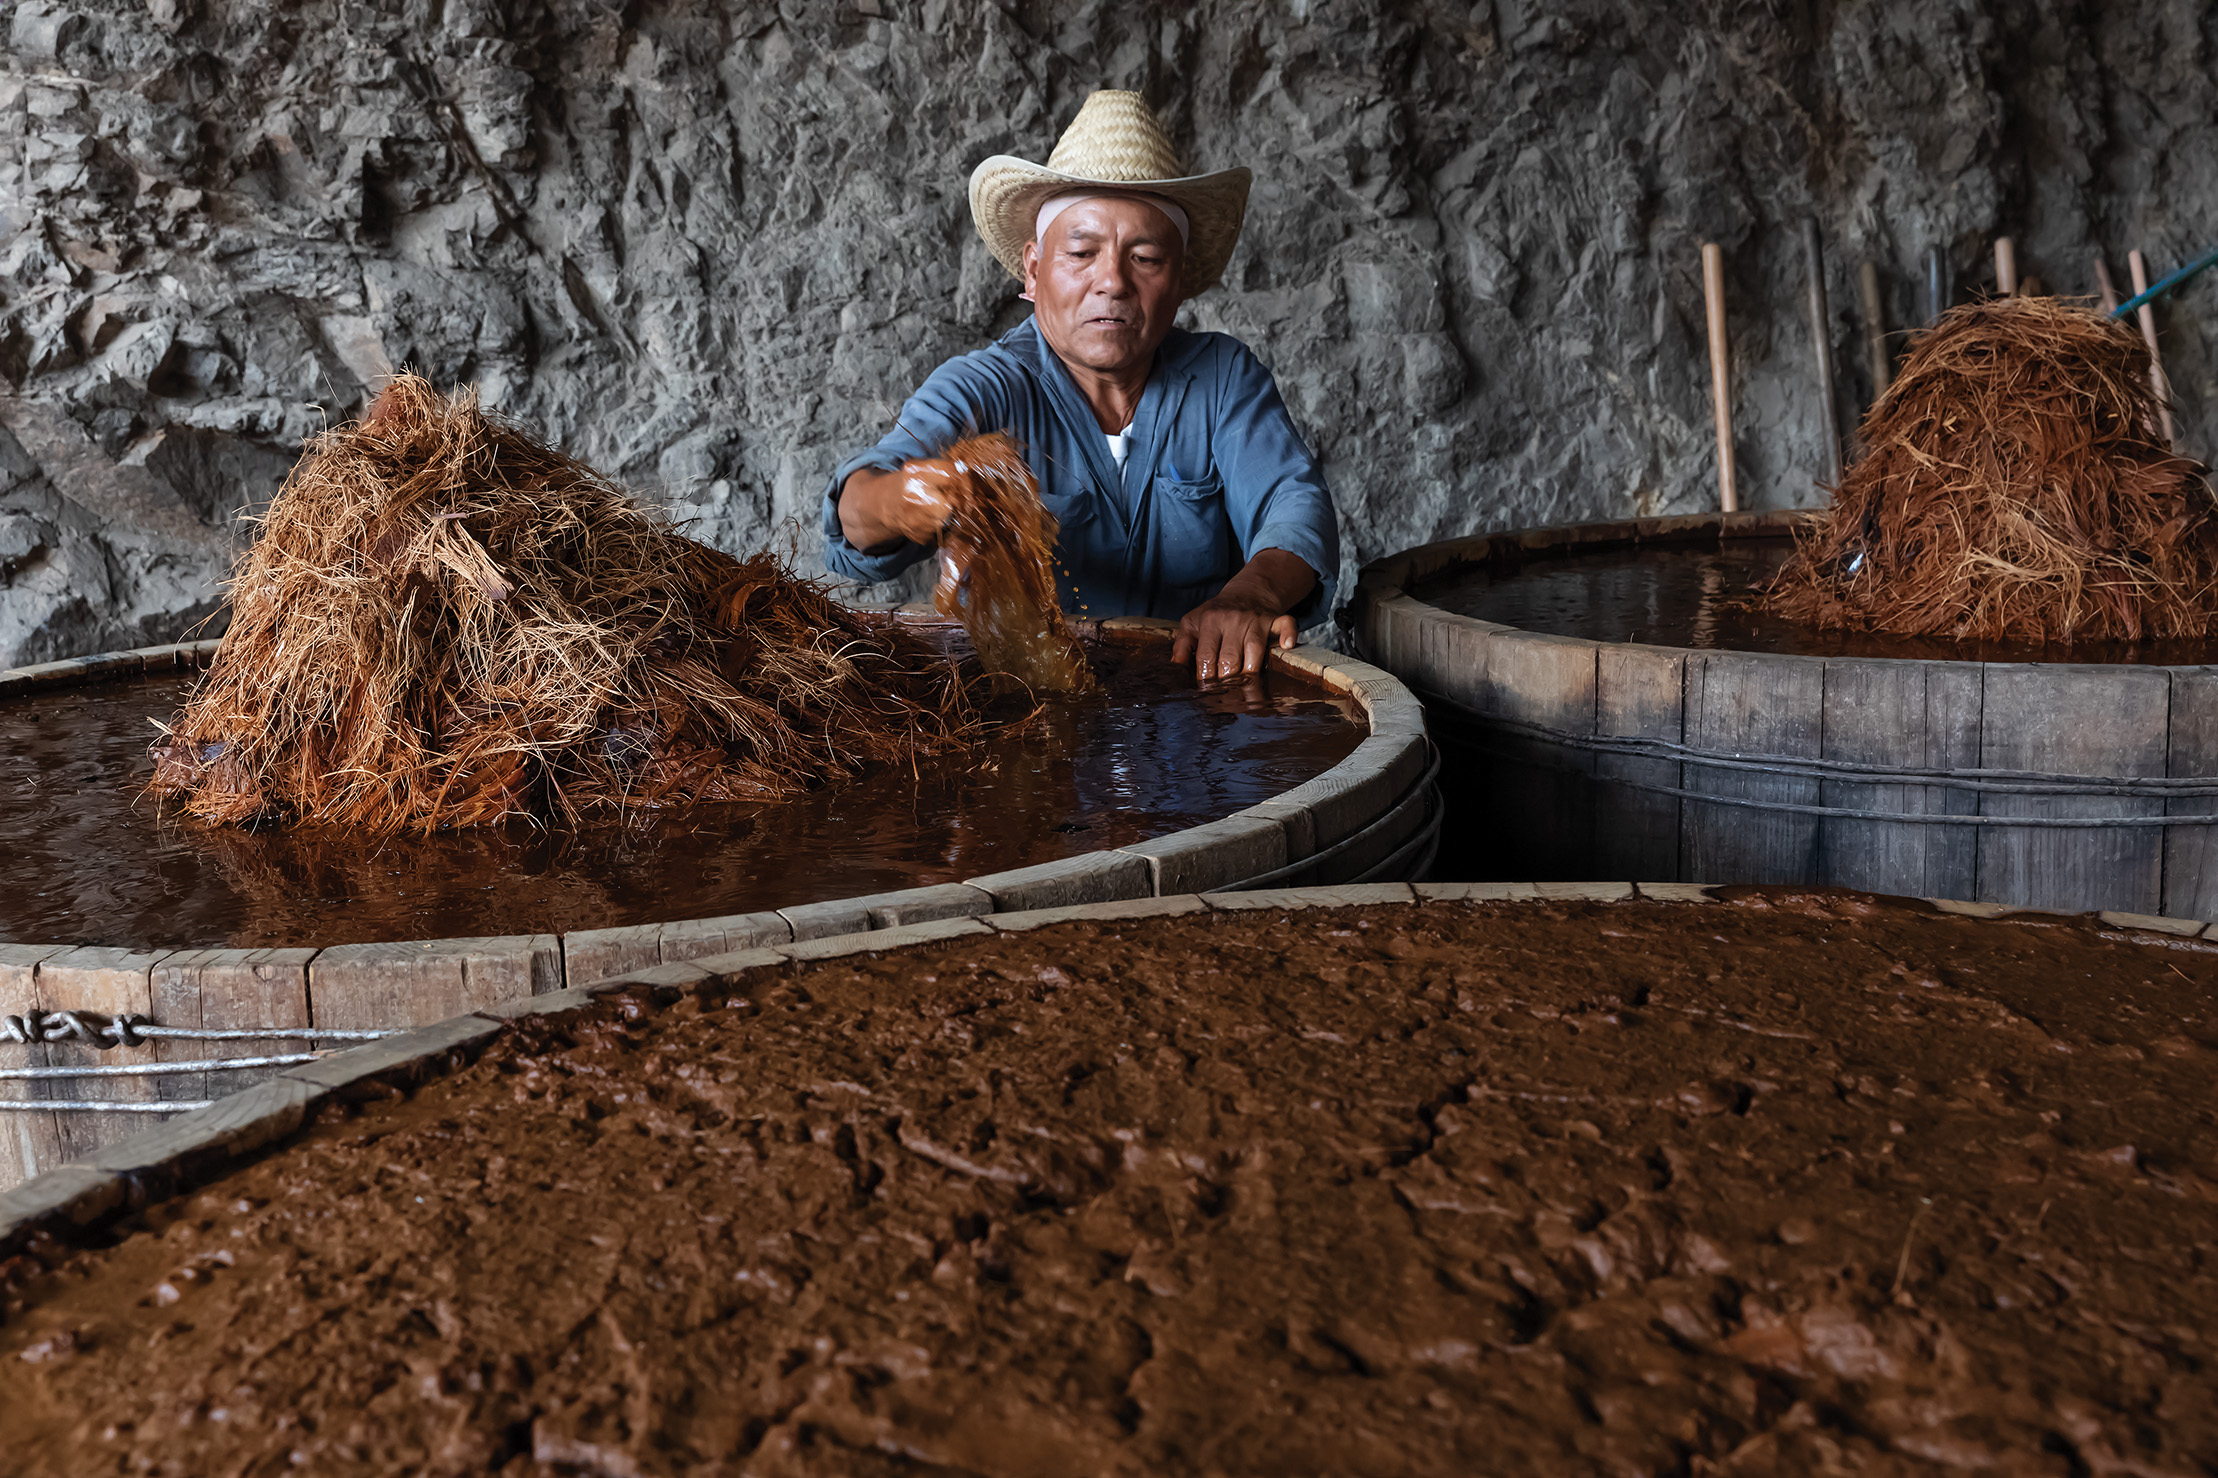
point(2012, 485)
point(445, 622)
point(996, 561)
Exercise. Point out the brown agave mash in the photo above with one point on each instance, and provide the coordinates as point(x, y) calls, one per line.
point(1791, 1184)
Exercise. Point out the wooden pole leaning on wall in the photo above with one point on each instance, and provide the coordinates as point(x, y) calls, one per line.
point(2006, 267)
point(2139, 266)
point(1713, 293)
point(1875, 327)
point(2104, 286)
point(1821, 341)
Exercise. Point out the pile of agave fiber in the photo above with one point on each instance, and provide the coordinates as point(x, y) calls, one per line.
point(2013, 485)
point(446, 622)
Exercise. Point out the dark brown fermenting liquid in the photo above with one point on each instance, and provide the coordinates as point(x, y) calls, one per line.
point(1799, 1184)
point(995, 575)
point(96, 862)
point(1687, 595)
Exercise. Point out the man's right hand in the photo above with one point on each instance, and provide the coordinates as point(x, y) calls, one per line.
point(911, 502)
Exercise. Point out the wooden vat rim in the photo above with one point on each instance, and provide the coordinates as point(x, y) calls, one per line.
point(1388, 579)
point(196, 1147)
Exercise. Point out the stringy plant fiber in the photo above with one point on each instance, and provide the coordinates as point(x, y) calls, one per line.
point(996, 556)
point(2012, 486)
point(445, 622)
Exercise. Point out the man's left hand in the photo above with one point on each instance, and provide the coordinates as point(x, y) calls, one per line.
point(1228, 636)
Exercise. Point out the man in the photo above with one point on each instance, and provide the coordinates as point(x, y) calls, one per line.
point(1180, 484)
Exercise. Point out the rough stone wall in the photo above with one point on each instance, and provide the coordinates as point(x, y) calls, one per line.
point(711, 247)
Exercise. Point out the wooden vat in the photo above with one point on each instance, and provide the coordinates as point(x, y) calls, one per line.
point(1568, 758)
point(1371, 817)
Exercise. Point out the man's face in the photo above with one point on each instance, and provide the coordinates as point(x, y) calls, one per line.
point(1104, 283)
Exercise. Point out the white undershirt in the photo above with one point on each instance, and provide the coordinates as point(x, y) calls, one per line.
point(1120, 446)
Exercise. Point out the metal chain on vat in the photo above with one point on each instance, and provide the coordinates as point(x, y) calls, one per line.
point(129, 1029)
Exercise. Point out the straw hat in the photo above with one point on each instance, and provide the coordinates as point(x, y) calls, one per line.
point(1115, 144)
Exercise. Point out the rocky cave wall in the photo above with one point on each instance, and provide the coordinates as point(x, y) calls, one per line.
point(711, 247)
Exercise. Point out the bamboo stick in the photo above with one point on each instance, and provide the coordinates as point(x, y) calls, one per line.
point(1821, 342)
point(2139, 266)
point(1875, 327)
point(2006, 267)
point(2105, 286)
point(1713, 293)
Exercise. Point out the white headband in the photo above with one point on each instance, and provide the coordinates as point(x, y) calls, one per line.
point(1061, 203)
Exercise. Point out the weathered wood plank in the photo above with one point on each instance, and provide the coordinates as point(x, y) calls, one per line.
point(1349, 797)
point(885, 910)
point(1536, 796)
point(1438, 656)
point(163, 1155)
point(595, 954)
point(227, 990)
point(690, 939)
point(1639, 693)
point(406, 1058)
point(1495, 892)
point(1337, 896)
point(359, 987)
point(29, 1141)
point(1751, 703)
point(1392, 628)
point(1585, 892)
point(1221, 854)
point(839, 946)
point(1092, 877)
point(1116, 909)
point(111, 981)
point(2062, 718)
point(2191, 852)
point(70, 1195)
point(1914, 715)
point(1955, 700)
point(1443, 653)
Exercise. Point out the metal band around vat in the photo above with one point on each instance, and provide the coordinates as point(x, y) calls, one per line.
point(1987, 782)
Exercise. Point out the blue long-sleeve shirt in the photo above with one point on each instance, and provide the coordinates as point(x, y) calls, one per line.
point(1214, 472)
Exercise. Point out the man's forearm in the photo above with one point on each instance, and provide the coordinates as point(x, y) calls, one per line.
point(1274, 579)
point(866, 501)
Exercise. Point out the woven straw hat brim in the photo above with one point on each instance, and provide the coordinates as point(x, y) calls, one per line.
point(1006, 194)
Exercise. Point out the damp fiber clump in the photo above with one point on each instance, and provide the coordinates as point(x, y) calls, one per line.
point(996, 555)
point(2012, 486)
point(446, 622)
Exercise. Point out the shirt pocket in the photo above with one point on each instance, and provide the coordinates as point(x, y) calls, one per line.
point(1074, 509)
point(1193, 539)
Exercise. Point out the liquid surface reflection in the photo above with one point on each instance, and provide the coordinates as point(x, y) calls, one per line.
point(91, 861)
point(1699, 596)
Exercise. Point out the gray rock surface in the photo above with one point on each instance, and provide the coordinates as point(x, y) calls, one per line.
point(711, 247)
